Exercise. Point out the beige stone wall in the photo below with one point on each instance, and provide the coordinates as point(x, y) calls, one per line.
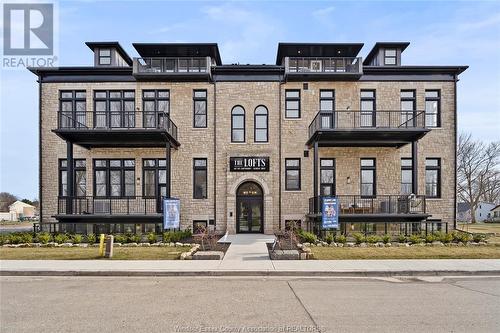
point(200, 143)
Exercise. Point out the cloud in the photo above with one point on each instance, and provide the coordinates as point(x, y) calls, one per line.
point(322, 12)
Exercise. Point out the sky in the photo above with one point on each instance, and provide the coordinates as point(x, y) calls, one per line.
point(441, 33)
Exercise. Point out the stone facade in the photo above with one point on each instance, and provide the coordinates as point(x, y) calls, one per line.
point(287, 138)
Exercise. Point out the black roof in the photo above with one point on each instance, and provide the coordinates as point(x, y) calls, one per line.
point(179, 50)
point(317, 50)
point(116, 45)
point(378, 45)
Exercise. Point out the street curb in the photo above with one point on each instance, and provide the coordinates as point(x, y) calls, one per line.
point(229, 273)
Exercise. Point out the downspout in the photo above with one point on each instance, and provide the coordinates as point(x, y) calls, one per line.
point(279, 152)
point(40, 150)
point(215, 153)
point(455, 160)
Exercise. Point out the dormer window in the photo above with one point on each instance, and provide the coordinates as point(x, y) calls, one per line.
point(390, 57)
point(104, 57)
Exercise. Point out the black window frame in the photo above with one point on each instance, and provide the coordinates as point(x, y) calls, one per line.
point(196, 223)
point(202, 169)
point(287, 99)
point(100, 57)
point(156, 168)
point(372, 113)
point(108, 168)
point(77, 118)
point(370, 168)
point(239, 129)
point(438, 112)
point(408, 114)
point(76, 168)
point(158, 121)
point(439, 181)
point(127, 118)
point(327, 167)
point(292, 168)
point(200, 99)
point(403, 169)
point(321, 98)
point(255, 128)
point(395, 57)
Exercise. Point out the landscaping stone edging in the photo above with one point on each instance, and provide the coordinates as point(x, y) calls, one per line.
point(53, 244)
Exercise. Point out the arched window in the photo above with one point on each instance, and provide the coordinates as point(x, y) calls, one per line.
point(261, 124)
point(238, 124)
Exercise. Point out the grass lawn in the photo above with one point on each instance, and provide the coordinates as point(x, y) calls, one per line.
point(485, 228)
point(414, 252)
point(81, 253)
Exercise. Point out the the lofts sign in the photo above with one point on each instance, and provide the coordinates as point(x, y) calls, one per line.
point(252, 163)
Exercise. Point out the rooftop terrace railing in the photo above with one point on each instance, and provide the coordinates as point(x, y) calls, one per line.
point(89, 205)
point(326, 65)
point(356, 119)
point(164, 65)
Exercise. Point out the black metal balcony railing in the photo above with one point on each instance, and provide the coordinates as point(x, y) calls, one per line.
point(327, 65)
point(162, 65)
point(85, 120)
point(380, 204)
point(107, 206)
point(355, 119)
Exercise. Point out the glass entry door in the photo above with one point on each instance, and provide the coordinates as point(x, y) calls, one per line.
point(249, 208)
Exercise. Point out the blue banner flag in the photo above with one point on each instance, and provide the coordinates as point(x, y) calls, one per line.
point(330, 213)
point(171, 213)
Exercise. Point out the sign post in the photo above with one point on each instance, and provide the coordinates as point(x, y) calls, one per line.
point(330, 213)
point(171, 213)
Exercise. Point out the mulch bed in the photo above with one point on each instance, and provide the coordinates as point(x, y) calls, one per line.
point(283, 242)
point(207, 245)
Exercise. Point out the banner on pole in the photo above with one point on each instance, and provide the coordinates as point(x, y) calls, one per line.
point(330, 213)
point(171, 213)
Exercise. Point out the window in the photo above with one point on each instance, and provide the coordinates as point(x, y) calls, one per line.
point(114, 178)
point(72, 108)
point(199, 226)
point(200, 108)
point(114, 108)
point(433, 177)
point(327, 100)
point(80, 181)
point(390, 57)
point(292, 103)
point(238, 124)
point(155, 107)
point(292, 174)
point(200, 178)
point(154, 175)
point(408, 107)
point(104, 57)
point(433, 108)
point(368, 177)
point(327, 176)
point(261, 124)
point(406, 176)
point(368, 107)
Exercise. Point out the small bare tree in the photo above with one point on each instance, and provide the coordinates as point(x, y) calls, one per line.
point(477, 167)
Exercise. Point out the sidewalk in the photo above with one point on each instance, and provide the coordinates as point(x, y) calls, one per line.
point(341, 268)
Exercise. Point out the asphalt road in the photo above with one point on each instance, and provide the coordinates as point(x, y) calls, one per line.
point(109, 304)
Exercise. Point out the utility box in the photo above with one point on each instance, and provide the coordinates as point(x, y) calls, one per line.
point(109, 247)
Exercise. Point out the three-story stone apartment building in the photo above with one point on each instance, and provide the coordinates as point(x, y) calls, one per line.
point(247, 148)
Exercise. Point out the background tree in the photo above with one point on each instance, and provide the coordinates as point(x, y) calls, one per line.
point(477, 170)
point(6, 199)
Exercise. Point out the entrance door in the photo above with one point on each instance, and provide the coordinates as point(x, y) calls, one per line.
point(327, 176)
point(249, 208)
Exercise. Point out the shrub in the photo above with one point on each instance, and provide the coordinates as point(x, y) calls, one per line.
point(91, 239)
point(15, 239)
point(120, 239)
point(464, 237)
point(177, 235)
point(329, 238)
point(444, 237)
point(61, 238)
point(307, 237)
point(340, 239)
point(133, 238)
point(43, 237)
point(430, 238)
point(26, 237)
point(386, 239)
point(478, 238)
point(372, 239)
point(402, 239)
point(359, 238)
point(77, 239)
point(3, 239)
point(152, 238)
point(415, 239)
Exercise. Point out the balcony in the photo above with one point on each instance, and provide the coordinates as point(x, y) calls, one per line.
point(354, 128)
point(324, 67)
point(380, 208)
point(168, 67)
point(85, 209)
point(92, 129)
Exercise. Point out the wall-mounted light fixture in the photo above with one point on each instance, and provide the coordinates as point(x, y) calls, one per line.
point(348, 179)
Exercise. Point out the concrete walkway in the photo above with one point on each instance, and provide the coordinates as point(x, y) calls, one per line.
point(236, 267)
point(247, 252)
